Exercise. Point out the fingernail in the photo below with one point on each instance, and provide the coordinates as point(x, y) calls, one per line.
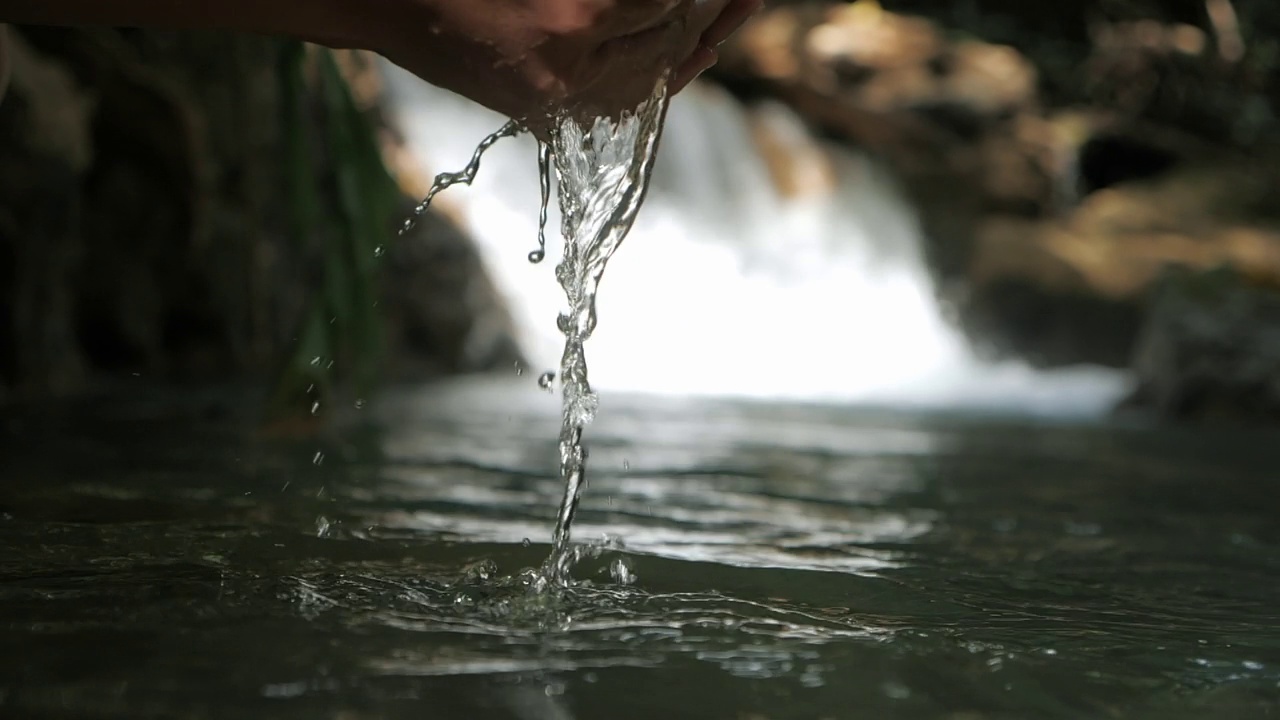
point(707, 58)
point(701, 60)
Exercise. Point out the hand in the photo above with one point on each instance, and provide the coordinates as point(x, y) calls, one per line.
point(731, 17)
point(527, 59)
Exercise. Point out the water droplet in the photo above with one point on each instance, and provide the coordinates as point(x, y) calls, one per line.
point(626, 464)
point(526, 542)
point(519, 370)
point(315, 362)
point(620, 571)
point(480, 571)
point(315, 408)
point(545, 161)
point(323, 526)
point(546, 379)
point(554, 689)
point(466, 176)
point(378, 251)
point(318, 459)
point(360, 403)
point(563, 322)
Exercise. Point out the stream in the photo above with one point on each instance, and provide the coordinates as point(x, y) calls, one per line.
point(159, 559)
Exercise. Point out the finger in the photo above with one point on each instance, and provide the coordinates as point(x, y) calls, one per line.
point(699, 62)
point(729, 21)
point(627, 18)
point(646, 49)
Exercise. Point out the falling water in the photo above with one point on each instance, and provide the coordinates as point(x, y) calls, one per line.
point(465, 176)
point(602, 174)
point(544, 183)
point(821, 296)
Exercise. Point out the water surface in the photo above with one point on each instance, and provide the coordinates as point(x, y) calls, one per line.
point(158, 559)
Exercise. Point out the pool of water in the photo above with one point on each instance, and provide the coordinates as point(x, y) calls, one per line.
point(160, 559)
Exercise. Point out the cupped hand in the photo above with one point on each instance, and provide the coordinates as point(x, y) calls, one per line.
point(527, 59)
point(716, 28)
point(531, 59)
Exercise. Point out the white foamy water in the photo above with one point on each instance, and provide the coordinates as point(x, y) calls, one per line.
point(724, 287)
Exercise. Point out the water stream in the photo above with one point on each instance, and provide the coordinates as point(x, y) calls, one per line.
point(602, 173)
point(160, 560)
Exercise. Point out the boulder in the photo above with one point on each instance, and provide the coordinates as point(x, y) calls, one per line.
point(1072, 288)
point(148, 224)
point(1055, 175)
point(1209, 350)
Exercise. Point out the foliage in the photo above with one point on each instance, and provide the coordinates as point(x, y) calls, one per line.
point(343, 219)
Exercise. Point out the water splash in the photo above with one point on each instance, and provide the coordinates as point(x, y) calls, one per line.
point(546, 379)
point(603, 173)
point(545, 160)
point(465, 176)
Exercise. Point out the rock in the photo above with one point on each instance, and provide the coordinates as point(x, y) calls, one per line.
point(443, 310)
point(1055, 180)
point(875, 77)
point(46, 120)
point(4, 60)
point(940, 113)
point(1072, 288)
point(147, 226)
point(1210, 349)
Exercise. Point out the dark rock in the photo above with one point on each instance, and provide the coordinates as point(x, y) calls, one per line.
point(146, 222)
point(1051, 326)
point(442, 308)
point(45, 124)
point(1106, 160)
point(1057, 167)
point(1073, 288)
point(1210, 349)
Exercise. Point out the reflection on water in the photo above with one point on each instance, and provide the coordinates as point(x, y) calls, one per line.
point(788, 561)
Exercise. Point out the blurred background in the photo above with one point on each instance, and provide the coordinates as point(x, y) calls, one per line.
point(1061, 209)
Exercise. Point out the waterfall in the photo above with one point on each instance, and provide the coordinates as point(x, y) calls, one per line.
point(727, 285)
